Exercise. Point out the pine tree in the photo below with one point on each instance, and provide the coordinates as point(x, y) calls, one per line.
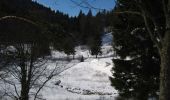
point(94, 39)
point(156, 18)
point(81, 24)
point(137, 77)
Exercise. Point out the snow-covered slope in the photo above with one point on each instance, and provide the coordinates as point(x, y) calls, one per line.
point(107, 39)
point(88, 80)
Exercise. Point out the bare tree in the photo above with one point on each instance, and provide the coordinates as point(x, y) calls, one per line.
point(26, 63)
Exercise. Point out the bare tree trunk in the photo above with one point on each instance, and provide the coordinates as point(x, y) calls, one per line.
point(24, 85)
point(24, 93)
point(165, 69)
point(165, 57)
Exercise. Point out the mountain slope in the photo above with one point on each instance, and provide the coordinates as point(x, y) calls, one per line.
point(88, 80)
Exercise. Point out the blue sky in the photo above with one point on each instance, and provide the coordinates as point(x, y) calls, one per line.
point(72, 9)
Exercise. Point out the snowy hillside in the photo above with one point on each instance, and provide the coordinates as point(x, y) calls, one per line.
point(107, 39)
point(88, 80)
point(75, 80)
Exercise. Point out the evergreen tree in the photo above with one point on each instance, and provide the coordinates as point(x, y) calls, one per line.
point(94, 40)
point(156, 18)
point(137, 77)
point(81, 24)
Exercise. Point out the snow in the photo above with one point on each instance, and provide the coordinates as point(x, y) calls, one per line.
point(107, 39)
point(88, 80)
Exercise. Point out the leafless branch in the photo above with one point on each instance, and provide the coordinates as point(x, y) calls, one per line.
point(51, 75)
point(37, 77)
point(85, 4)
point(15, 88)
point(165, 8)
point(128, 12)
point(153, 38)
point(18, 18)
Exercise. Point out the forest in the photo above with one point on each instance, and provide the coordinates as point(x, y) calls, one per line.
point(117, 54)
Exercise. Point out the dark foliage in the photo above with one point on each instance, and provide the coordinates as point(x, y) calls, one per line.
point(137, 77)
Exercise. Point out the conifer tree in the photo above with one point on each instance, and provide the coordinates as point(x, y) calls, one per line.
point(155, 18)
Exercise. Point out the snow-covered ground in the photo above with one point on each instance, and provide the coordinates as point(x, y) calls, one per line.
point(107, 39)
point(88, 80)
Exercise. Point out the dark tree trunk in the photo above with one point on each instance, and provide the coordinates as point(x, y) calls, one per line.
point(165, 57)
point(26, 77)
point(24, 85)
point(24, 94)
point(165, 69)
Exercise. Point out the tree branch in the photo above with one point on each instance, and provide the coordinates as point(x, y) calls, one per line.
point(128, 12)
point(18, 18)
point(145, 16)
point(48, 78)
point(86, 5)
point(165, 8)
point(153, 38)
